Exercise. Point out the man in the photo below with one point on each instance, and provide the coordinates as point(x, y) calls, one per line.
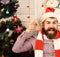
point(46, 42)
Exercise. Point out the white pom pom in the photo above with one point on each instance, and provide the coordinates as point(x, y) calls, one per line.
point(52, 3)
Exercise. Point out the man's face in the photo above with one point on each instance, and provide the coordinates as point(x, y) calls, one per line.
point(50, 26)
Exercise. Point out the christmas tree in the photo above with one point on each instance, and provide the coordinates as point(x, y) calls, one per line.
point(8, 7)
point(9, 29)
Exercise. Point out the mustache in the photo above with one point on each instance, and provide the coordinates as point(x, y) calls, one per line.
point(51, 29)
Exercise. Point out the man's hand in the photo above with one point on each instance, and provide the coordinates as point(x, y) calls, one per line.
point(33, 26)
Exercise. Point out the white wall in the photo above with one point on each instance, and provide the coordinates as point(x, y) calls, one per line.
point(30, 8)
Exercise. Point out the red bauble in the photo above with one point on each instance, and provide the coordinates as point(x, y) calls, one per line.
point(15, 19)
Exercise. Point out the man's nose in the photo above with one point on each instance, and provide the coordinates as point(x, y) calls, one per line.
point(51, 25)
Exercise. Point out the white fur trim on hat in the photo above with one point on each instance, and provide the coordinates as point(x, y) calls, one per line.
point(50, 14)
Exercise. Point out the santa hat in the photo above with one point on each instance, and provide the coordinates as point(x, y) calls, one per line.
point(51, 12)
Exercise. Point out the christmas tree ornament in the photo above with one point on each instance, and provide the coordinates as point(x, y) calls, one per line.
point(15, 19)
point(5, 1)
point(7, 30)
point(14, 14)
point(18, 29)
point(7, 11)
point(16, 6)
point(11, 41)
point(10, 33)
point(2, 10)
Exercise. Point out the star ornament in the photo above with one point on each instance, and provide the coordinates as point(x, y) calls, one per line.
point(18, 29)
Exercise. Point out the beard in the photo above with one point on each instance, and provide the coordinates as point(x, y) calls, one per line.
point(50, 35)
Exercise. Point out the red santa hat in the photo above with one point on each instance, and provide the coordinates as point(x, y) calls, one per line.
point(51, 12)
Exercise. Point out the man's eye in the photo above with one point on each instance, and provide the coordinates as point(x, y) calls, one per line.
point(54, 22)
point(48, 22)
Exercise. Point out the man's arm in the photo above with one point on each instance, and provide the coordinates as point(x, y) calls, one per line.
point(23, 43)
